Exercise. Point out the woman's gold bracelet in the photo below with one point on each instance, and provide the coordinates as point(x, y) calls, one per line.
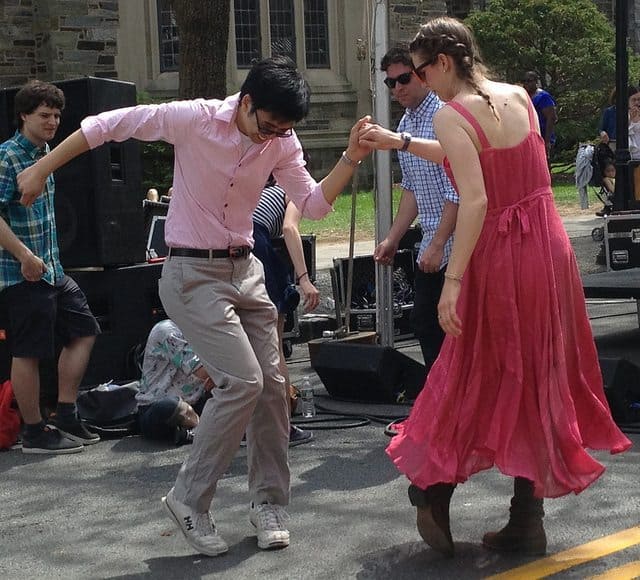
point(453, 277)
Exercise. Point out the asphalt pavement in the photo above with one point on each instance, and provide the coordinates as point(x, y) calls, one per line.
point(97, 514)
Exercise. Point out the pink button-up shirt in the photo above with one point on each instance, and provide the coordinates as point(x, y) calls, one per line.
point(215, 187)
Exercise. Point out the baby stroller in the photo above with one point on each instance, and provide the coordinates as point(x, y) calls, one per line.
point(602, 155)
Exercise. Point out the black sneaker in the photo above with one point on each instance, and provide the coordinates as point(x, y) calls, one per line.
point(49, 442)
point(75, 430)
point(183, 436)
point(297, 436)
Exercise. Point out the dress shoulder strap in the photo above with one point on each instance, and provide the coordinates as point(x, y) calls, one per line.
point(472, 121)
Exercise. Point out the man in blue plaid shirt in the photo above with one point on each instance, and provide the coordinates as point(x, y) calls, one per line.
point(40, 303)
point(427, 194)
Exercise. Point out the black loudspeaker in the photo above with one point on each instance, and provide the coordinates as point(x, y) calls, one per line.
point(98, 200)
point(367, 372)
point(127, 305)
point(622, 387)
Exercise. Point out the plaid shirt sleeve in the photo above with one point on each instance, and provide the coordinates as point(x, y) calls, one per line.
point(7, 181)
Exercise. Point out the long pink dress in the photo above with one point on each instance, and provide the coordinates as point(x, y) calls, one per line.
point(521, 388)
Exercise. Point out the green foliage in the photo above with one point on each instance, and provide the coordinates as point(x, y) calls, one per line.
point(570, 43)
point(157, 158)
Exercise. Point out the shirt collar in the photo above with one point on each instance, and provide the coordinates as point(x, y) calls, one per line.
point(424, 106)
point(227, 113)
point(30, 149)
point(227, 110)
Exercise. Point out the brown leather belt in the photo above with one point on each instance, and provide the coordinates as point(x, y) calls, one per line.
point(233, 252)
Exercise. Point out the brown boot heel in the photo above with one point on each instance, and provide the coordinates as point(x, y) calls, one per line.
point(432, 516)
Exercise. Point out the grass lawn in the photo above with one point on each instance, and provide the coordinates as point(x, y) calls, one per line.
point(335, 227)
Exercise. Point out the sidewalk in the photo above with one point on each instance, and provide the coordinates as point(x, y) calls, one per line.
point(576, 226)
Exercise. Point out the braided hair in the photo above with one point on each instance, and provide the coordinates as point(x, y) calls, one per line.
point(449, 36)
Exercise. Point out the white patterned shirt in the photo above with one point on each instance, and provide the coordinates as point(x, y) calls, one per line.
point(427, 180)
point(168, 366)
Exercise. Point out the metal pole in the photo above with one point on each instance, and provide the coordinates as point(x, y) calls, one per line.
point(383, 200)
point(624, 186)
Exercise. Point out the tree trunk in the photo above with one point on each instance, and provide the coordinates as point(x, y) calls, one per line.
point(204, 36)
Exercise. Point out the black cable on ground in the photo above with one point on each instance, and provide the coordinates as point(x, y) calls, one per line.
point(328, 418)
point(326, 421)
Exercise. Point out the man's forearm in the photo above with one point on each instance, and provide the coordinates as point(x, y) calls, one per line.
point(406, 215)
point(74, 145)
point(10, 242)
point(338, 178)
point(447, 224)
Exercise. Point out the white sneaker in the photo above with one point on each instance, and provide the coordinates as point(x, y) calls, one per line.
point(269, 521)
point(198, 529)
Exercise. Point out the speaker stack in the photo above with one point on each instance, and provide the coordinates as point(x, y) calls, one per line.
point(98, 197)
point(101, 231)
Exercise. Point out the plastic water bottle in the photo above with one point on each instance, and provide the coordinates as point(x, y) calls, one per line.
point(306, 398)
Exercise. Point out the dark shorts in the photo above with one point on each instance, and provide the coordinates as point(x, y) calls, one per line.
point(37, 315)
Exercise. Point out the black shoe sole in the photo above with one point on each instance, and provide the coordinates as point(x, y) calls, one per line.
point(45, 451)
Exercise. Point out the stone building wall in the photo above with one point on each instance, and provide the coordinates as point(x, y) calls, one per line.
point(57, 39)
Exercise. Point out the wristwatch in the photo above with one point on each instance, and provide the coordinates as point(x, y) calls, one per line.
point(406, 137)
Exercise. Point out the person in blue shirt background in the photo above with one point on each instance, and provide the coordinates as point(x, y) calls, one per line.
point(545, 106)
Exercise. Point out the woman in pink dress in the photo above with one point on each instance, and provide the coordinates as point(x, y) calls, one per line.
point(517, 384)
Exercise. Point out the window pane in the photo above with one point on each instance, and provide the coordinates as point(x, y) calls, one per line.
point(316, 34)
point(168, 37)
point(247, 16)
point(282, 28)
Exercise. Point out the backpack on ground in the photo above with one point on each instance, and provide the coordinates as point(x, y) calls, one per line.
point(109, 409)
point(9, 417)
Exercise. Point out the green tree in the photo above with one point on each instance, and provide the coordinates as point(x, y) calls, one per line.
point(570, 43)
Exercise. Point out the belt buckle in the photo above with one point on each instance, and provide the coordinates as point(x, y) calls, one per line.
point(238, 252)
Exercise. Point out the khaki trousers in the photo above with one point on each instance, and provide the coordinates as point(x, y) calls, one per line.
point(222, 308)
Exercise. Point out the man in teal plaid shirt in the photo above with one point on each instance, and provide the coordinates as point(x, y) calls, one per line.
point(40, 303)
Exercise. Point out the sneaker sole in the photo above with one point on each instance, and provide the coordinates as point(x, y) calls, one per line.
point(43, 451)
point(273, 545)
point(297, 442)
point(277, 545)
point(77, 439)
point(198, 549)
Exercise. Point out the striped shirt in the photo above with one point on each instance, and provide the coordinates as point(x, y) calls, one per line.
point(270, 210)
point(427, 180)
point(34, 226)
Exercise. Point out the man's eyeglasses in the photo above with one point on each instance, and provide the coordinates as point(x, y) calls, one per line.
point(268, 132)
point(403, 79)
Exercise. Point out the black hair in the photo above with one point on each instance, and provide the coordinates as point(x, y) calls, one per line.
point(34, 94)
point(275, 85)
point(397, 55)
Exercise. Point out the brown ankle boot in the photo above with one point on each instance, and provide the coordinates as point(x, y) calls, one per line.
point(524, 533)
point(432, 518)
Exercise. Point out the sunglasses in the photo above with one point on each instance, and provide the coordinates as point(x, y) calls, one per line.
point(418, 69)
point(268, 132)
point(403, 79)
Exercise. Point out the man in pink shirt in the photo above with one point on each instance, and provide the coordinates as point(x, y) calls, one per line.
point(212, 286)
